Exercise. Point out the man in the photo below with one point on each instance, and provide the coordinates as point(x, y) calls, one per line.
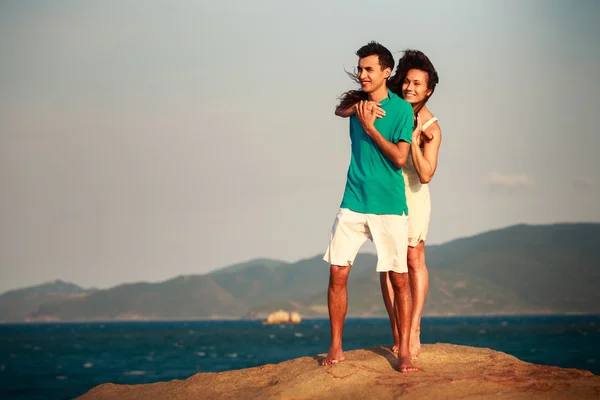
point(374, 203)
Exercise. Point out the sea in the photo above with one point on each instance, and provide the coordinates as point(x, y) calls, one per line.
point(65, 360)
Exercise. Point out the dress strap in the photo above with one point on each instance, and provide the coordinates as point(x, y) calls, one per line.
point(428, 123)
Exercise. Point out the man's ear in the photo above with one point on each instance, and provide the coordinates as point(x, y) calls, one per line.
point(387, 72)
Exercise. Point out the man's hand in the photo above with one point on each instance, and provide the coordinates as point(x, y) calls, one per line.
point(379, 112)
point(366, 112)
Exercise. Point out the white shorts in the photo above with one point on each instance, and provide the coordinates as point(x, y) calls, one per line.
point(388, 232)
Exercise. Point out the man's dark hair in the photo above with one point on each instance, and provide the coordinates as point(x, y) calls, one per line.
point(386, 60)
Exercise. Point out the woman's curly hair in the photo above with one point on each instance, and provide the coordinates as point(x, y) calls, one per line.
point(413, 59)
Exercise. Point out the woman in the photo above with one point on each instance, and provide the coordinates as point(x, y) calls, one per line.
point(415, 80)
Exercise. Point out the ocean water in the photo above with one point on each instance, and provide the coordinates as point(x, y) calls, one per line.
point(64, 360)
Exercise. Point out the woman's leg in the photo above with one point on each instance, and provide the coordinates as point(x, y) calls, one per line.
point(419, 285)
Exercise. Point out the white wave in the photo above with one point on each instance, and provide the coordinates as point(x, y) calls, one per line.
point(298, 334)
point(134, 373)
point(88, 365)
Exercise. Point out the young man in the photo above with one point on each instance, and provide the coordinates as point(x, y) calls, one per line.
point(374, 203)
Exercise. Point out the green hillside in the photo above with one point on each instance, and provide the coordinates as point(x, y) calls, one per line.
point(519, 269)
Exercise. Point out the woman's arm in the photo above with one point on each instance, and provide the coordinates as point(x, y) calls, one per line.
point(426, 162)
point(346, 112)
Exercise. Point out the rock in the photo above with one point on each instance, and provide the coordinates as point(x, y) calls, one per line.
point(447, 372)
point(282, 317)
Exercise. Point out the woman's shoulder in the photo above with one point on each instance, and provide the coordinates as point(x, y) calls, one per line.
point(425, 114)
point(429, 122)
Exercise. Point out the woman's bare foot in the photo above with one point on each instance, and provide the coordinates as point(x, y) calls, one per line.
point(405, 365)
point(395, 347)
point(333, 357)
point(414, 344)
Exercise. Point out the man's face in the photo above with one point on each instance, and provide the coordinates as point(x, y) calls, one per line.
point(371, 74)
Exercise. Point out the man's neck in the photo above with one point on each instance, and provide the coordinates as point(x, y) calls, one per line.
point(379, 94)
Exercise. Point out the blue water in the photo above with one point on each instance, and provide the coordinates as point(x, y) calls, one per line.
point(63, 361)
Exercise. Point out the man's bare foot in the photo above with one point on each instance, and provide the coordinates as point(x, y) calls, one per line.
point(405, 365)
point(414, 344)
point(395, 348)
point(333, 357)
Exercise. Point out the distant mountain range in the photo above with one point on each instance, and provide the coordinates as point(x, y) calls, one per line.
point(522, 269)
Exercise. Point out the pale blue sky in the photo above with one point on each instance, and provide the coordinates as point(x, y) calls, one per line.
point(141, 140)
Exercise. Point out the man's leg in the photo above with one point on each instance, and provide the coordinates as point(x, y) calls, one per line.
point(349, 233)
point(337, 302)
point(403, 317)
point(390, 235)
point(387, 291)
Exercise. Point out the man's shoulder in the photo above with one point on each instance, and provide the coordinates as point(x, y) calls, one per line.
point(399, 102)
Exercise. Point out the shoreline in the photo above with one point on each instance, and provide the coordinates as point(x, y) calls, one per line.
point(304, 319)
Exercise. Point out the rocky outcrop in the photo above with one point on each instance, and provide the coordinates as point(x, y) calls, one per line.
point(282, 317)
point(446, 372)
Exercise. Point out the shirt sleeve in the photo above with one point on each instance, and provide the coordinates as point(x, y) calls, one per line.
point(404, 128)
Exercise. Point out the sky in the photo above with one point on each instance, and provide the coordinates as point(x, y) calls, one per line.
point(143, 140)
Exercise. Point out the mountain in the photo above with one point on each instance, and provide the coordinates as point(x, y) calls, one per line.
point(519, 269)
point(552, 267)
point(184, 297)
point(19, 304)
point(266, 262)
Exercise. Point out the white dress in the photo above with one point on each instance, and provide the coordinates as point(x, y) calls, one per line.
point(417, 199)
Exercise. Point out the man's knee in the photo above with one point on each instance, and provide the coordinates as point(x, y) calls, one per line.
point(338, 275)
point(399, 281)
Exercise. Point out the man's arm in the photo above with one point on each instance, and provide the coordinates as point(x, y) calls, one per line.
point(395, 152)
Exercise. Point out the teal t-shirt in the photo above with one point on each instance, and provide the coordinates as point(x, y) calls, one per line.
point(374, 184)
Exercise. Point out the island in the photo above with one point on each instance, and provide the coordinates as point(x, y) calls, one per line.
point(282, 317)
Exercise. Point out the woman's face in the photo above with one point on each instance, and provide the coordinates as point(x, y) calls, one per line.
point(414, 87)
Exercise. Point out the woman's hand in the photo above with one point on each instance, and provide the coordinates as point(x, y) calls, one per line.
point(416, 135)
point(419, 134)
